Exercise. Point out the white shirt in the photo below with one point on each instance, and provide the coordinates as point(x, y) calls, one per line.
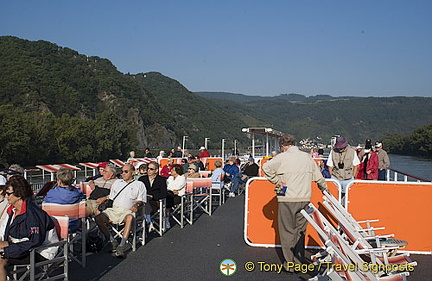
point(178, 184)
point(356, 160)
point(135, 191)
point(2, 180)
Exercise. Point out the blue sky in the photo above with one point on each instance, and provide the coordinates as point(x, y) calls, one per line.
point(360, 48)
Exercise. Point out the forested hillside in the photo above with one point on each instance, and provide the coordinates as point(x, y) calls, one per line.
point(323, 116)
point(57, 105)
point(417, 142)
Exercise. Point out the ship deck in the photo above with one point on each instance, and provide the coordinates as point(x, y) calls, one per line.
point(196, 251)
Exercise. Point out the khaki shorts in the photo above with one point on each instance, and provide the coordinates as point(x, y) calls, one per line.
point(117, 214)
point(92, 205)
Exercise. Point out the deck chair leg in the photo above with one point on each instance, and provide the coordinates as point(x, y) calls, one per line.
point(182, 213)
point(134, 231)
point(210, 199)
point(32, 265)
point(190, 211)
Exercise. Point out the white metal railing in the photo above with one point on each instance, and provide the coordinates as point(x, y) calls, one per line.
point(395, 175)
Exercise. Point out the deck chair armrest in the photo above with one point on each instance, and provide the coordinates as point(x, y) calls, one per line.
point(374, 250)
point(368, 221)
point(382, 249)
point(378, 237)
point(54, 244)
point(371, 228)
point(59, 243)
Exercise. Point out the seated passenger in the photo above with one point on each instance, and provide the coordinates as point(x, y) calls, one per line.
point(231, 170)
point(192, 172)
point(204, 153)
point(65, 193)
point(162, 154)
point(14, 169)
point(142, 170)
point(178, 153)
point(147, 153)
point(217, 174)
point(186, 154)
point(27, 227)
point(156, 186)
point(101, 188)
point(131, 157)
point(128, 195)
point(100, 170)
point(186, 162)
point(199, 164)
point(176, 185)
point(249, 170)
point(166, 169)
point(4, 204)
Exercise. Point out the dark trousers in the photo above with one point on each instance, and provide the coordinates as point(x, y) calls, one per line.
point(292, 228)
point(382, 175)
point(172, 200)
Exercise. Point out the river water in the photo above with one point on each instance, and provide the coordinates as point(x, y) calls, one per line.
point(412, 165)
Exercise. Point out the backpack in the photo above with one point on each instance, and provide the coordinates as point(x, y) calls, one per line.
point(94, 242)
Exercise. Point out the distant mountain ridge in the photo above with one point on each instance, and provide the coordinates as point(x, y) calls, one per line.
point(59, 105)
point(246, 98)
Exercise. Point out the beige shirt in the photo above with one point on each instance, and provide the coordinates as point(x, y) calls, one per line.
point(297, 170)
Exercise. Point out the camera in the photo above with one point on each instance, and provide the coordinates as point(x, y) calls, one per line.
point(341, 165)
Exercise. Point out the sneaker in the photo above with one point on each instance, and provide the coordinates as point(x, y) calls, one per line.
point(227, 186)
point(231, 195)
point(121, 250)
point(112, 246)
point(151, 227)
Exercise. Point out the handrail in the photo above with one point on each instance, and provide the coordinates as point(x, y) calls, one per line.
point(405, 176)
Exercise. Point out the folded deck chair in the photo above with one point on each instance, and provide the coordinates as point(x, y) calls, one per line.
point(328, 234)
point(367, 238)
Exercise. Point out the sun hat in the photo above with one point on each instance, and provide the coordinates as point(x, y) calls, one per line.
point(340, 143)
point(103, 165)
point(192, 166)
point(11, 172)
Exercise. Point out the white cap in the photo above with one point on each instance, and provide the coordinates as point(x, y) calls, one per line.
point(202, 148)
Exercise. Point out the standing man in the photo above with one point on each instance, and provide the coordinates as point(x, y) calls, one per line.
point(343, 163)
point(128, 195)
point(383, 161)
point(294, 170)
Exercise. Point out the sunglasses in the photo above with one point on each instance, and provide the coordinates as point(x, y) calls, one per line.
point(125, 171)
point(8, 193)
point(151, 169)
